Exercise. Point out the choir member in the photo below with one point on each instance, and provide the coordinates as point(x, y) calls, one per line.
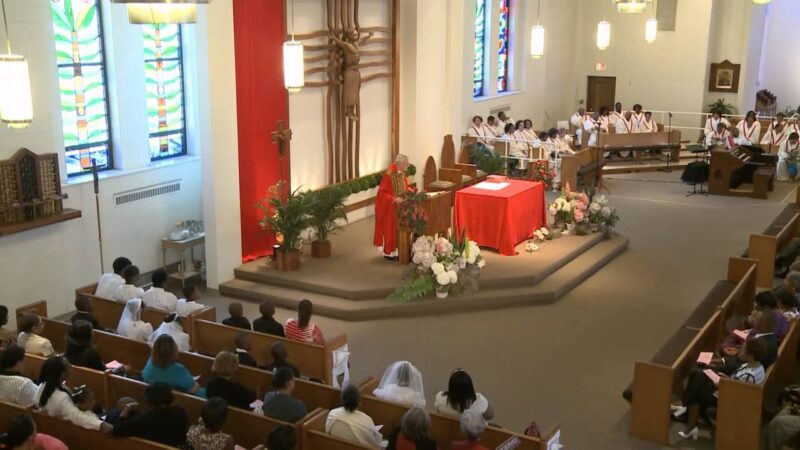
point(749, 129)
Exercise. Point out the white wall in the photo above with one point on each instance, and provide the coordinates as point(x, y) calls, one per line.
point(780, 69)
point(49, 263)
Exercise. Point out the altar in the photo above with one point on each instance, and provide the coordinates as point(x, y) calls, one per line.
point(500, 215)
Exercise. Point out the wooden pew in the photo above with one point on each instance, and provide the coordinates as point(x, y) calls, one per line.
point(314, 437)
point(656, 382)
point(765, 248)
point(95, 380)
point(39, 308)
point(638, 142)
point(314, 361)
point(581, 167)
point(74, 436)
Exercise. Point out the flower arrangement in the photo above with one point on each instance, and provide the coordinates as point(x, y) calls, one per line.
point(571, 208)
point(600, 213)
point(540, 171)
point(539, 237)
point(412, 216)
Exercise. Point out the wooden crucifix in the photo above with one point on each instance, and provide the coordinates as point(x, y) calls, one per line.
point(348, 56)
point(281, 136)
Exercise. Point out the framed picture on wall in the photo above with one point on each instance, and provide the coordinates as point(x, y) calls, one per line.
point(724, 77)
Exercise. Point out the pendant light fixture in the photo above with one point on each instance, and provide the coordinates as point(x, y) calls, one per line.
point(631, 6)
point(651, 27)
point(537, 34)
point(761, 2)
point(603, 33)
point(16, 104)
point(293, 63)
point(162, 11)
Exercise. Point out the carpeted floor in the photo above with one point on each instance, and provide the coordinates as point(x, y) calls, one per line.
point(568, 362)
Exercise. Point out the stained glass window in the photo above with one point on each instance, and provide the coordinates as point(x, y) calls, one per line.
point(480, 45)
point(503, 46)
point(163, 75)
point(82, 84)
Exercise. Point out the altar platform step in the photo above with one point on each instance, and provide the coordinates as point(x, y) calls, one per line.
point(494, 292)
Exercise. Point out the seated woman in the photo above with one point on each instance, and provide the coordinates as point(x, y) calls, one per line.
point(461, 396)
point(235, 394)
point(172, 327)
point(131, 324)
point(163, 366)
point(21, 434)
point(15, 388)
point(7, 336)
point(208, 435)
point(413, 432)
point(160, 422)
point(472, 426)
point(402, 383)
point(80, 351)
point(303, 329)
point(701, 391)
point(54, 398)
point(30, 325)
point(348, 423)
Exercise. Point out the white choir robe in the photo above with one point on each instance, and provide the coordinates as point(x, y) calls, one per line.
point(158, 298)
point(517, 150)
point(647, 127)
point(636, 120)
point(771, 137)
point(751, 133)
point(481, 134)
point(576, 120)
point(711, 124)
point(614, 116)
point(603, 123)
point(589, 126)
point(787, 155)
point(717, 138)
point(623, 126)
point(488, 130)
point(739, 141)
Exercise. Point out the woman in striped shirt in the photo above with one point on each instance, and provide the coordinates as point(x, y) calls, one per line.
point(302, 329)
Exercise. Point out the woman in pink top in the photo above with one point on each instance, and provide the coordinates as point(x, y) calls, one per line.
point(302, 329)
point(21, 434)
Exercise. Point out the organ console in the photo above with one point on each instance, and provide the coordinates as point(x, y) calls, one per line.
point(744, 171)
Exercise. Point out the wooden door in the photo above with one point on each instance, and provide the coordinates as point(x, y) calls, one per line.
point(600, 91)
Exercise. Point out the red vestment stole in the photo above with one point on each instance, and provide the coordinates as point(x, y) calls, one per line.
point(393, 184)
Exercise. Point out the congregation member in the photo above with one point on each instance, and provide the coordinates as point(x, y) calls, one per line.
point(750, 129)
point(279, 404)
point(30, 326)
point(393, 186)
point(788, 154)
point(787, 305)
point(80, 351)
point(348, 423)
point(22, 434)
point(188, 304)
point(221, 385)
point(53, 397)
point(776, 132)
point(267, 323)
point(616, 114)
point(479, 131)
point(763, 322)
point(108, 283)
point(648, 125)
point(637, 117)
point(243, 348)
point(282, 437)
point(163, 366)
point(785, 426)
point(280, 358)
point(129, 289)
point(83, 305)
point(460, 396)
point(718, 137)
point(401, 383)
point(7, 336)
point(473, 424)
point(131, 324)
point(237, 318)
point(208, 434)
point(14, 387)
point(701, 390)
point(159, 421)
point(713, 123)
point(302, 328)
point(171, 326)
point(412, 434)
point(156, 297)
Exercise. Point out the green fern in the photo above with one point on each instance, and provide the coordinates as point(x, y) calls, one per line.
point(414, 290)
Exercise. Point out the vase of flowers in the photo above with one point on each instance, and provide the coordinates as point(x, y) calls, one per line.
point(442, 291)
point(569, 209)
point(540, 171)
point(602, 215)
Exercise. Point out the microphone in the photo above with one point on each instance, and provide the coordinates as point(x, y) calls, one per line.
point(95, 179)
point(670, 114)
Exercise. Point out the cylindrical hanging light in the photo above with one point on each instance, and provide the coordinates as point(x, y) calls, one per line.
point(16, 104)
point(293, 66)
point(761, 2)
point(603, 35)
point(162, 11)
point(650, 30)
point(537, 41)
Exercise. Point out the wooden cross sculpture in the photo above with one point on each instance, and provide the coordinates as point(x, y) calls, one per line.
point(340, 60)
point(281, 137)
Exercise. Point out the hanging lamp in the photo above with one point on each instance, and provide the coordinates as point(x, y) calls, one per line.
point(603, 35)
point(16, 103)
point(651, 27)
point(537, 34)
point(631, 6)
point(761, 2)
point(293, 63)
point(162, 11)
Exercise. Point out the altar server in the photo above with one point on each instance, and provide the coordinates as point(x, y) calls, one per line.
point(156, 297)
point(648, 125)
point(109, 282)
point(713, 122)
point(749, 129)
point(393, 187)
point(788, 154)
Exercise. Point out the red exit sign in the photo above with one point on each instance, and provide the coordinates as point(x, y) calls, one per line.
point(600, 67)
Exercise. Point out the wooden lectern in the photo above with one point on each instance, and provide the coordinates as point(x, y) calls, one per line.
point(439, 209)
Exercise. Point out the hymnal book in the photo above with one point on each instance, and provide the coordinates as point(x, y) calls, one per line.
point(741, 334)
point(113, 365)
point(705, 358)
point(712, 376)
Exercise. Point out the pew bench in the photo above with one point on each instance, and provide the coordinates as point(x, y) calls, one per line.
point(314, 437)
point(765, 248)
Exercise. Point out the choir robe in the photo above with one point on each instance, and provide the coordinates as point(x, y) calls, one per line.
point(624, 127)
point(711, 124)
point(637, 120)
point(772, 137)
point(614, 116)
point(647, 127)
point(787, 155)
point(750, 133)
point(589, 126)
point(478, 132)
point(717, 138)
point(393, 184)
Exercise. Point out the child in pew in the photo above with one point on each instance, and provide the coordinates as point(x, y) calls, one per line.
point(160, 421)
point(243, 348)
point(22, 434)
point(156, 297)
point(129, 290)
point(83, 305)
point(85, 399)
point(237, 318)
point(280, 358)
point(109, 282)
point(267, 323)
point(112, 415)
point(188, 304)
point(207, 434)
point(131, 324)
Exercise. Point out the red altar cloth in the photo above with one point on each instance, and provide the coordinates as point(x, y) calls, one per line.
point(501, 219)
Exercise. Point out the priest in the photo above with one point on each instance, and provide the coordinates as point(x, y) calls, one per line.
point(394, 185)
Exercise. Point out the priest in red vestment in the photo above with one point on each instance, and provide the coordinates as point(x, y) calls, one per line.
point(390, 194)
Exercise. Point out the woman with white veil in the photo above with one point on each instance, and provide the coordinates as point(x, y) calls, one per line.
point(131, 324)
point(172, 326)
point(402, 383)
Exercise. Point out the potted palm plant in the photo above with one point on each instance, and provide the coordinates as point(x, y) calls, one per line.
point(287, 218)
point(325, 214)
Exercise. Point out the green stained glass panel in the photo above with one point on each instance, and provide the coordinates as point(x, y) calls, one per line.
point(163, 69)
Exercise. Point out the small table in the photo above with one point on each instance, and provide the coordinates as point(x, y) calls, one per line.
point(500, 218)
point(181, 247)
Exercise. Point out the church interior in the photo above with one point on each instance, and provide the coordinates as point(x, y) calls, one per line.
point(401, 224)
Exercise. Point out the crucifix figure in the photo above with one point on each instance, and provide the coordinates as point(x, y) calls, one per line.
point(351, 74)
point(281, 137)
